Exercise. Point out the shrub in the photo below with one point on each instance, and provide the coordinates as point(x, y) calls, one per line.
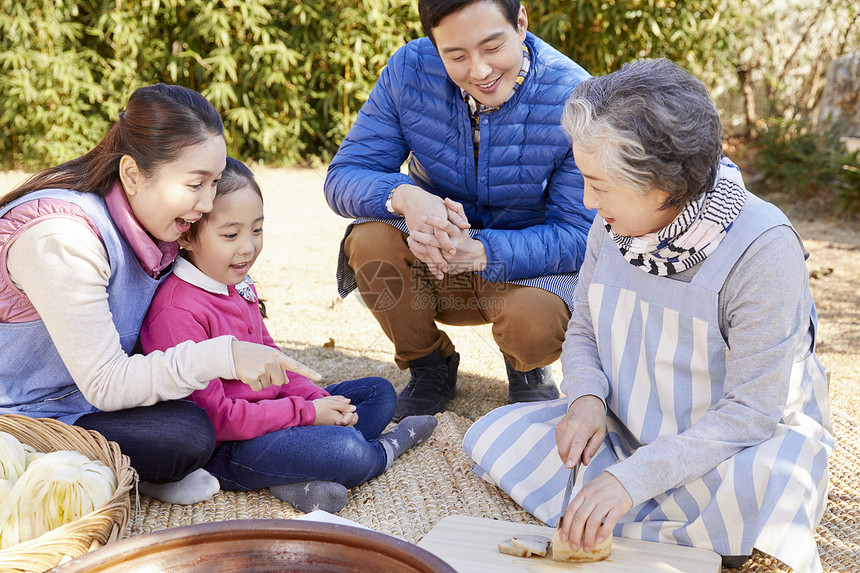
point(847, 197)
point(792, 157)
point(288, 77)
point(50, 86)
point(601, 35)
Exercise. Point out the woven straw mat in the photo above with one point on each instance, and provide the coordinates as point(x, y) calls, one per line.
point(435, 480)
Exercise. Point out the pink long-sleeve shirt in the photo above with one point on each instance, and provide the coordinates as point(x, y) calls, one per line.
point(191, 306)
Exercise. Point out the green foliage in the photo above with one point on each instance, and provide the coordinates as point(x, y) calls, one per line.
point(346, 44)
point(288, 77)
point(792, 157)
point(601, 35)
point(50, 91)
point(847, 197)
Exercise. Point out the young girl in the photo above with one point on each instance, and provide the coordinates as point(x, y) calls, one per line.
point(306, 444)
point(695, 401)
point(83, 246)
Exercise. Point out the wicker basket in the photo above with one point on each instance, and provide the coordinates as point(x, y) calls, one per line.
point(91, 531)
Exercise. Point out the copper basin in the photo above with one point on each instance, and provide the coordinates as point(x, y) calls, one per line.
point(259, 545)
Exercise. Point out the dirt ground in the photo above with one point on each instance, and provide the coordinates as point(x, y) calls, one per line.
point(341, 340)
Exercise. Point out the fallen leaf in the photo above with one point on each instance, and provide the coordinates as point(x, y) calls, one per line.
point(818, 273)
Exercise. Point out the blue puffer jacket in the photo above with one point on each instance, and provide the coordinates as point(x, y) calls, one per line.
point(526, 196)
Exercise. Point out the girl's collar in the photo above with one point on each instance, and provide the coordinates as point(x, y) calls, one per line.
point(185, 270)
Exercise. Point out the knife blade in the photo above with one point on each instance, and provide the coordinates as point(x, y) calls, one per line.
point(567, 491)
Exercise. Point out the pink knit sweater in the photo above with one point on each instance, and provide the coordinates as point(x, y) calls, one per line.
point(191, 306)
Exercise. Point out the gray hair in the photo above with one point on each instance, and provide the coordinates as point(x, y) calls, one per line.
point(653, 125)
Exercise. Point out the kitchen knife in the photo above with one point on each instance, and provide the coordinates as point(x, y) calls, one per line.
point(567, 491)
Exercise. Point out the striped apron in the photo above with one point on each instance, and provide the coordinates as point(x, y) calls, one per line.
point(769, 496)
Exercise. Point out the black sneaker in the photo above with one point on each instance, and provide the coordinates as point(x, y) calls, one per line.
point(532, 386)
point(432, 384)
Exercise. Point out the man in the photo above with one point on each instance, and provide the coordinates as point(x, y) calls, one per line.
point(488, 225)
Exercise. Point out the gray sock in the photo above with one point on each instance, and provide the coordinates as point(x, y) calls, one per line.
point(197, 486)
point(410, 431)
point(308, 496)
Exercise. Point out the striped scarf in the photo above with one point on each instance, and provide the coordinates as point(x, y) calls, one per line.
point(696, 231)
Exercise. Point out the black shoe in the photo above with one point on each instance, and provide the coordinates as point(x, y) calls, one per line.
point(734, 561)
point(432, 384)
point(532, 386)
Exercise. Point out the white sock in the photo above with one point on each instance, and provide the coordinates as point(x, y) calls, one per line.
point(197, 486)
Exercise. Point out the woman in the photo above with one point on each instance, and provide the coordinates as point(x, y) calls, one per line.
point(83, 246)
point(695, 401)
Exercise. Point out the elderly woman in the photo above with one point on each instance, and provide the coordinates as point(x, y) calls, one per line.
point(694, 399)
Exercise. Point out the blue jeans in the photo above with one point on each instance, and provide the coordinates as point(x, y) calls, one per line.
point(349, 456)
point(165, 441)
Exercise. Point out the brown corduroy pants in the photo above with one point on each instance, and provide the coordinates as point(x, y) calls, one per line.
point(528, 322)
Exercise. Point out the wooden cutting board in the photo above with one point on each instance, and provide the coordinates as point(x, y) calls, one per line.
point(469, 545)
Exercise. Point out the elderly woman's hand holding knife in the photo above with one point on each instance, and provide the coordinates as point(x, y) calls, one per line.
point(597, 507)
